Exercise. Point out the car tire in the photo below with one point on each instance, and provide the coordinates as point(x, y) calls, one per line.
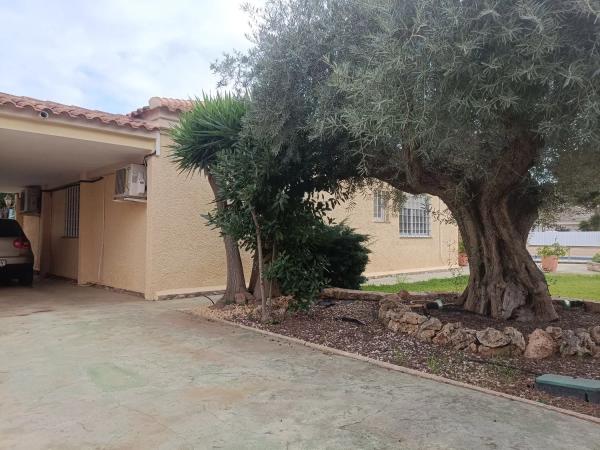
point(26, 278)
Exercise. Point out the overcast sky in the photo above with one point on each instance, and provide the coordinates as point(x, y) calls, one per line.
point(114, 55)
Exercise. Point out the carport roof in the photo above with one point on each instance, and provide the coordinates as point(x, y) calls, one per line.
point(75, 112)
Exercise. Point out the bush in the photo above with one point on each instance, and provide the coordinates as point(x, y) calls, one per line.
point(596, 258)
point(593, 224)
point(345, 253)
point(553, 250)
point(301, 274)
point(329, 255)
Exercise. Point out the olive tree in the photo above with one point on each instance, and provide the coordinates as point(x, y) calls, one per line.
point(484, 104)
point(478, 102)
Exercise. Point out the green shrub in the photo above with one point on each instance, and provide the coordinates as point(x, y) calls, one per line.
point(327, 255)
point(596, 258)
point(301, 274)
point(593, 224)
point(345, 253)
point(553, 250)
point(461, 247)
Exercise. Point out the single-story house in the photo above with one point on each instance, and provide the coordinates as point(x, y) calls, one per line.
point(102, 203)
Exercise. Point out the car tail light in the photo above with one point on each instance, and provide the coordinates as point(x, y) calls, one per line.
point(21, 243)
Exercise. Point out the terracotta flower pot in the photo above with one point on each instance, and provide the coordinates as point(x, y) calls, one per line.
point(549, 263)
point(463, 260)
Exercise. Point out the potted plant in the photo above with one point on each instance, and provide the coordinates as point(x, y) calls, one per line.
point(463, 259)
point(550, 255)
point(595, 264)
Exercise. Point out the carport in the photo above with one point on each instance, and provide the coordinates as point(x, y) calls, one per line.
point(69, 155)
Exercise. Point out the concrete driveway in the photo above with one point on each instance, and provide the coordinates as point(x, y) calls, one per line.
point(87, 368)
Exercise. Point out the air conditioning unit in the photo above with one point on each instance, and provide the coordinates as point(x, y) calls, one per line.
point(30, 200)
point(130, 183)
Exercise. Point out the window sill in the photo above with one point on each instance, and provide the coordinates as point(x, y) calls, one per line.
point(69, 237)
point(409, 236)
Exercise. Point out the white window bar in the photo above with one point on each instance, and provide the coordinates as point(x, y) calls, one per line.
point(414, 217)
point(379, 211)
point(72, 212)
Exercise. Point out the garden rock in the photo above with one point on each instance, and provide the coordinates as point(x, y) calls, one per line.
point(516, 338)
point(426, 335)
point(429, 328)
point(443, 337)
point(595, 334)
point(555, 332)
point(432, 323)
point(586, 340)
point(402, 327)
point(391, 307)
point(413, 318)
point(492, 338)
point(571, 344)
point(540, 345)
point(463, 338)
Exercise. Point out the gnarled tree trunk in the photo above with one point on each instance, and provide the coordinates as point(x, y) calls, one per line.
point(236, 282)
point(495, 213)
point(504, 281)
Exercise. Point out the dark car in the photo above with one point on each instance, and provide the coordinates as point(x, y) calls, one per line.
point(16, 257)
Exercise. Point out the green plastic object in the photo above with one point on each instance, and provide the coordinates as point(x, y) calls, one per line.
point(582, 388)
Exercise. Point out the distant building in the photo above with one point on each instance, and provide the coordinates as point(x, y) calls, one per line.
point(568, 220)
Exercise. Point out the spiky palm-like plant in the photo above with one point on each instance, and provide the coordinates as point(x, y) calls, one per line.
point(213, 125)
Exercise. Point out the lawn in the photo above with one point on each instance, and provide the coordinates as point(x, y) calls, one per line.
point(561, 285)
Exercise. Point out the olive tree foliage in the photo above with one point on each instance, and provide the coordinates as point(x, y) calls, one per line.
point(479, 103)
point(486, 104)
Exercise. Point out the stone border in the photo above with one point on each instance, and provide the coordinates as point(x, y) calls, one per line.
point(330, 350)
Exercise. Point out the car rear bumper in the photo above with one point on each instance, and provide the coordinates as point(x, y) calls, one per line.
point(15, 269)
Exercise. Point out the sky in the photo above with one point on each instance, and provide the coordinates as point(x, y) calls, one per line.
point(113, 55)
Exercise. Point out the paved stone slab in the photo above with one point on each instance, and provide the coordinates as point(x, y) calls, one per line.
point(104, 370)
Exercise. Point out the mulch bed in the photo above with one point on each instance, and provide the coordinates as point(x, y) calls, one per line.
point(353, 326)
point(569, 319)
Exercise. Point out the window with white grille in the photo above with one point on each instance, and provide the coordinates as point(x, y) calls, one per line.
point(379, 204)
point(414, 217)
point(72, 212)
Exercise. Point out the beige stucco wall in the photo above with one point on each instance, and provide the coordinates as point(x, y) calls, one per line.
point(391, 253)
point(63, 251)
point(31, 227)
point(183, 253)
point(112, 238)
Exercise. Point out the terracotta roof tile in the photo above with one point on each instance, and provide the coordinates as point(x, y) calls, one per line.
point(175, 105)
point(75, 112)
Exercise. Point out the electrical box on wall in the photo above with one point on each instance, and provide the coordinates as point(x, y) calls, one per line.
point(130, 183)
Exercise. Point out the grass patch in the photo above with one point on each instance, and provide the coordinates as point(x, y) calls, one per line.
point(561, 285)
